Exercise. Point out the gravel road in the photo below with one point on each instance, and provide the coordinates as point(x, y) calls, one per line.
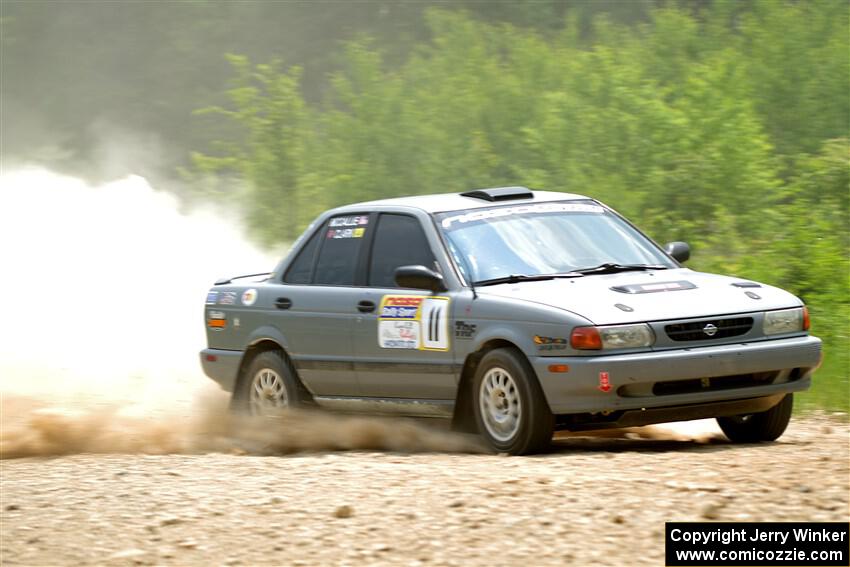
point(600, 500)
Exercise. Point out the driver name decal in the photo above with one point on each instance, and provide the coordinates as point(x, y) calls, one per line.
point(348, 227)
point(414, 322)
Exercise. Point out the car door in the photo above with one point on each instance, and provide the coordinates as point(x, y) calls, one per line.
point(317, 305)
point(403, 348)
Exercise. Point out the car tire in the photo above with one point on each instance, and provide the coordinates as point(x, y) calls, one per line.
point(510, 410)
point(267, 386)
point(757, 427)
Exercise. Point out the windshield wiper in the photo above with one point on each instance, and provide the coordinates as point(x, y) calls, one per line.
point(516, 278)
point(613, 268)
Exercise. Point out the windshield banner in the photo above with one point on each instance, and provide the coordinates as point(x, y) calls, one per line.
point(487, 214)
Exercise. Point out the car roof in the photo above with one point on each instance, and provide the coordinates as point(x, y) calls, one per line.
point(457, 201)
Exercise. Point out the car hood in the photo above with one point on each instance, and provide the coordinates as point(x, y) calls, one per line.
point(652, 295)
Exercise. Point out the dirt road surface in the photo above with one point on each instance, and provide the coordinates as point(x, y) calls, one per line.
point(591, 501)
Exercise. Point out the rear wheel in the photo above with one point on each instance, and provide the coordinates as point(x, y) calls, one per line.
point(755, 427)
point(510, 410)
point(268, 386)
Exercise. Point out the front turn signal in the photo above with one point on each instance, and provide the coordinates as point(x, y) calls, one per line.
point(586, 338)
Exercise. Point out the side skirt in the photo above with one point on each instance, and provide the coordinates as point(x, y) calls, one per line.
point(388, 406)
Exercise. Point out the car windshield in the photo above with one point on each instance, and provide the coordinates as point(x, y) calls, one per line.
point(513, 242)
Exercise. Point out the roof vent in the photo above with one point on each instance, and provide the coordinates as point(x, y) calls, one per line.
point(500, 194)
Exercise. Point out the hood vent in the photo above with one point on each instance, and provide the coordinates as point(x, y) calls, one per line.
point(500, 194)
point(654, 287)
point(746, 284)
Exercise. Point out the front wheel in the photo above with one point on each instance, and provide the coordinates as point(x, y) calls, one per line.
point(268, 386)
point(510, 410)
point(755, 427)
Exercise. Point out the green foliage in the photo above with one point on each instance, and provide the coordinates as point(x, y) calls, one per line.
point(272, 154)
point(78, 74)
point(727, 128)
point(803, 247)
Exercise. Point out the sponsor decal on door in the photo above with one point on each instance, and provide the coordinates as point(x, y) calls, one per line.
point(414, 322)
point(399, 334)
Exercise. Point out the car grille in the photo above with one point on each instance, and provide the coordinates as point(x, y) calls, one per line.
point(709, 330)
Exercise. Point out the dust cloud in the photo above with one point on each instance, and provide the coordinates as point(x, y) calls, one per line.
point(103, 290)
point(51, 430)
point(701, 431)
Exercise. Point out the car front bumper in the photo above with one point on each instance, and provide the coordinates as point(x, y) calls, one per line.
point(678, 377)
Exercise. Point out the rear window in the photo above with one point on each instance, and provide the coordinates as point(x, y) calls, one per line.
point(301, 269)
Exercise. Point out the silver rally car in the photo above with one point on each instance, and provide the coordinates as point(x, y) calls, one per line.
point(513, 313)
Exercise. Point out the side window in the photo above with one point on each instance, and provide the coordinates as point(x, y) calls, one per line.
point(399, 241)
point(341, 242)
point(301, 269)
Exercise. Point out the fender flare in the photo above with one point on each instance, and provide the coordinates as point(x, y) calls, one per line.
point(267, 333)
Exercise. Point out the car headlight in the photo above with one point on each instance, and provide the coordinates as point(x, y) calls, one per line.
point(613, 336)
point(785, 321)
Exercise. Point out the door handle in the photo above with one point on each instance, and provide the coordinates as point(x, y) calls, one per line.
point(366, 306)
point(283, 303)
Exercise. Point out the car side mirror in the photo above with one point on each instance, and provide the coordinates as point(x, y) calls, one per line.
point(419, 277)
point(680, 251)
